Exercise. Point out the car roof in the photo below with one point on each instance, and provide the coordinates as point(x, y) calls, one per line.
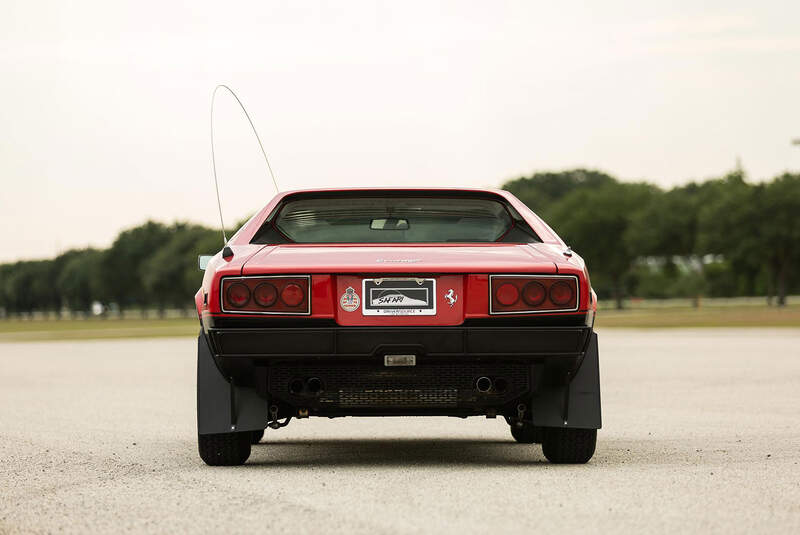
point(391, 188)
point(409, 189)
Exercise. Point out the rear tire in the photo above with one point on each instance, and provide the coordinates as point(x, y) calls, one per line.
point(526, 433)
point(257, 436)
point(568, 445)
point(225, 449)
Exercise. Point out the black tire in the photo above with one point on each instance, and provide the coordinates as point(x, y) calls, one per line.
point(526, 433)
point(568, 445)
point(257, 436)
point(224, 449)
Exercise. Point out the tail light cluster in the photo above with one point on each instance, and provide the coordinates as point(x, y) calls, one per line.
point(266, 295)
point(520, 294)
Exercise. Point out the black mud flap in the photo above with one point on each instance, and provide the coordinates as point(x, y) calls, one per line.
point(221, 406)
point(576, 404)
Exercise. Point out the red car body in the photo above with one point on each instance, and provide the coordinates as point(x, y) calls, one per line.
point(469, 326)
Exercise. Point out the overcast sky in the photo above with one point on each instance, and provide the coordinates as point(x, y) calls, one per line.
point(105, 106)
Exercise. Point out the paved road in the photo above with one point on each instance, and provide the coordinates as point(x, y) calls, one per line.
point(702, 432)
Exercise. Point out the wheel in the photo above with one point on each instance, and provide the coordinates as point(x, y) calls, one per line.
point(526, 433)
point(568, 445)
point(257, 436)
point(224, 449)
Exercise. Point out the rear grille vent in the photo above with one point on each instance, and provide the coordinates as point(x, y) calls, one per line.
point(425, 385)
point(393, 398)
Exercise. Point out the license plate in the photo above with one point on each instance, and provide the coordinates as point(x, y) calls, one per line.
point(399, 297)
point(399, 360)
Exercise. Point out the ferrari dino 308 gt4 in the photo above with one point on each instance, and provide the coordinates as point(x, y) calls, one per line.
point(397, 302)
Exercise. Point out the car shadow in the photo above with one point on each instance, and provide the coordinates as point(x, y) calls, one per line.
point(394, 452)
point(470, 452)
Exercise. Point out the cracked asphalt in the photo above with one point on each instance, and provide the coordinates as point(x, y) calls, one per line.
point(701, 434)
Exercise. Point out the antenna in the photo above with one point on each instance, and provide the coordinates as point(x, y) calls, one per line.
point(227, 252)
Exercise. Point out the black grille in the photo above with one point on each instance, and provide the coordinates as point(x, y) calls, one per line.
point(421, 386)
point(429, 397)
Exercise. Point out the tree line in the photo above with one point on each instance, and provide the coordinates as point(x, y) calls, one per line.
point(152, 266)
point(722, 237)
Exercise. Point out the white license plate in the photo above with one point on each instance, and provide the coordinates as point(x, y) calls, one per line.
point(399, 360)
point(398, 297)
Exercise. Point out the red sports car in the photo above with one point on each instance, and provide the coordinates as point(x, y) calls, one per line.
point(397, 302)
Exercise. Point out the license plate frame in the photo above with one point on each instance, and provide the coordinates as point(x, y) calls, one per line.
point(398, 296)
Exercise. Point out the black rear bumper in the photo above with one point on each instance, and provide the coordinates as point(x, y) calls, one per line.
point(463, 342)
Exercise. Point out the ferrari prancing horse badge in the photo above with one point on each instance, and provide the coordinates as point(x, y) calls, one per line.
point(451, 297)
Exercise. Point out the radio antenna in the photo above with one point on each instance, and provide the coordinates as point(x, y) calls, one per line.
point(214, 160)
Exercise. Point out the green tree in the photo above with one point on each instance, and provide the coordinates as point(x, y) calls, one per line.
point(667, 228)
point(541, 191)
point(80, 280)
point(779, 224)
point(28, 287)
point(5, 299)
point(729, 224)
point(122, 263)
point(172, 273)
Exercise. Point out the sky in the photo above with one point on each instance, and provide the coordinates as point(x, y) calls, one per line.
point(104, 121)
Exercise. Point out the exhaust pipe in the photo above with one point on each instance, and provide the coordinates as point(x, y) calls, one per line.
point(483, 384)
point(315, 385)
point(296, 386)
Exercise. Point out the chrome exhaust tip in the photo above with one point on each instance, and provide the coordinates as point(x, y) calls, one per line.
point(483, 384)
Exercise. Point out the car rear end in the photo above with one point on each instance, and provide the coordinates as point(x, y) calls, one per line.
point(398, 302)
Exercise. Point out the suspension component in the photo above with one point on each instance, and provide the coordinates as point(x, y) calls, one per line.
point(273, 422)
point(521, 408)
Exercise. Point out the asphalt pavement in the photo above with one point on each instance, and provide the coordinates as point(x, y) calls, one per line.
point(701, 434)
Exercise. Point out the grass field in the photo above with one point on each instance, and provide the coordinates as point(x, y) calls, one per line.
point(709, 316)
point(644, 318)
point(38, 330)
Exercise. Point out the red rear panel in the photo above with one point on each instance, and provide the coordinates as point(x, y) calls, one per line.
point(449, 300)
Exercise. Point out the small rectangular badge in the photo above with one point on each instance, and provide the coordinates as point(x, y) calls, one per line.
point(400, 360)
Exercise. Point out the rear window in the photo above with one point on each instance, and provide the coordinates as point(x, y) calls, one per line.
point(393, 219)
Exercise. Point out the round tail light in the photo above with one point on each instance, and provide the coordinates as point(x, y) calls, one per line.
point(507, 294)
point(534, 293)
point(561, 293)
point(292, 294)
point(265, 294)
point(238, 294)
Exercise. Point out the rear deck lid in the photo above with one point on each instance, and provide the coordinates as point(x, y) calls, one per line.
point(423, 258)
